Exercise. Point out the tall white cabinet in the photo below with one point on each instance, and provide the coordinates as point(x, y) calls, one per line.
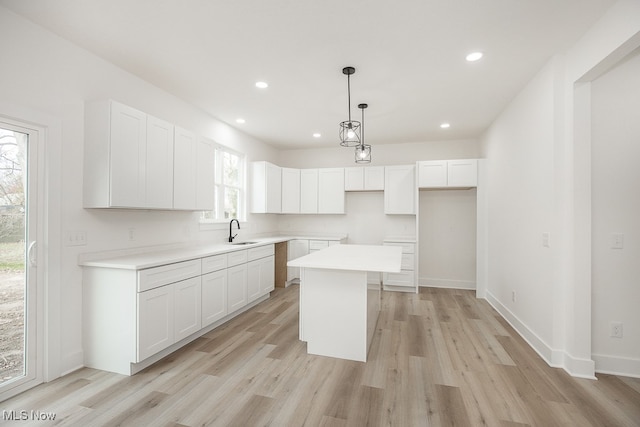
point(331, 191)
point(399, 190)
point(291, 190)
point(266, 188)
point(309, 191)
point(128, 158)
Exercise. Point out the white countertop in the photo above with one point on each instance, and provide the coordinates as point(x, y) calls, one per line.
point(353, 257)
point(153, 258)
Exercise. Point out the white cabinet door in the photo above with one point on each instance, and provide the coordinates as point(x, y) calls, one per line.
point(267, 275)
point(296, 249)
point(354, 179)
point(290, 190)
point(374, 178)
point(266, 188)
point(399, 189)
point(331, 191)
point(187, 317)
point(236, 287)
point(462, 173)
point(184, 175)
point(155, 321)
point(253, 280)
point(159, 164)
point(205, 174)
point(214, 297)
point(309, 191)
point(128, 146)
point(432, 174)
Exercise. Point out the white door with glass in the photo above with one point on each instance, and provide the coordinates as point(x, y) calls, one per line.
point(19, 297)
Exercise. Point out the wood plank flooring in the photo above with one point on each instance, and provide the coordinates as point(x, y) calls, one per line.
point(439, 358)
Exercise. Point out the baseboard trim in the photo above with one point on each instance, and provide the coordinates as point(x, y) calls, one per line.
point(616, 365)
point(446, 283)
point(576, 367)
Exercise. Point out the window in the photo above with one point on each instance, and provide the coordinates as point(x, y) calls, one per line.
point(229, 189)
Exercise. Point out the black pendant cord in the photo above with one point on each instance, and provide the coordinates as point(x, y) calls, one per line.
point(349, 96)
point(362, 107)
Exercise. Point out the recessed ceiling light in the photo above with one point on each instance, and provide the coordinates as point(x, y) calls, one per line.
point(474, 56)
point(445, 125)
point(317, 135)
point(240, 120)
point(262, 85)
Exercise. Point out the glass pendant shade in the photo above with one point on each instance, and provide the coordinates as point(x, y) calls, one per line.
point(363, 153)
point(350, 133)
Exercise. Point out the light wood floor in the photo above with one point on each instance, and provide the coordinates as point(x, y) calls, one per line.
point(439, 358)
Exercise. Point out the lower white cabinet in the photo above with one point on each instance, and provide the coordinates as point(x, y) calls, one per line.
point(131, 316)
point(236, 287)
point(155, 321)
point(260, 277)
point(214, 297)
point(405, 280)
point(186, 308)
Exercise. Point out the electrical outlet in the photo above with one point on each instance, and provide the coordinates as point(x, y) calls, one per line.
point(546, 236)
point(132, 234)
point(617, 241)
point(513, 296)
point(76, 238)
point(616, 329)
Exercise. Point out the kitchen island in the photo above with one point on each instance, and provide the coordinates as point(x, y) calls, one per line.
point(338, 308)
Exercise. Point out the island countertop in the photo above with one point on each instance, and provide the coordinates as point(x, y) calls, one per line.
point(353, 257)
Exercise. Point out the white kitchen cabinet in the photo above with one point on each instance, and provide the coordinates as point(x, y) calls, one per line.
point(461, 173)
point(399, 189)
point(368, 178)
point(296, 249)
point(159, 164)
point(331, 191)
point(309, 191)
point(214, 297)
point(155, 321)
point(405, 280)
point(266, 188)
point(236, 287)
point(117, 162)
point(260, 277)
point(290, 190)
point(184, 175)
point(187, 308)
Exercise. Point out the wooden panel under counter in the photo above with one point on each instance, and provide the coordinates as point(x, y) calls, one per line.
point(281, 264)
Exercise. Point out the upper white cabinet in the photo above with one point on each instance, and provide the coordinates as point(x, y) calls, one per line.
point(309, 191)
point(134, 160)
point(370, 178)
point(266, 188)
point(448, 173)
point(399, 189)
point(290, 190)
point(193, 182)
point(126, 165)
point(331, 190)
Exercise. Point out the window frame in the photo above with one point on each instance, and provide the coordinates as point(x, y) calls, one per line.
point(220, 187)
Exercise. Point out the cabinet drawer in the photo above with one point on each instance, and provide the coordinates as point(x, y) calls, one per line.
point(407, 262)
point(260, 252)
point(158, 276)
point(315, 245)
point(235, 258)
point(214, 263)
point(404, 278)
point(407, 248)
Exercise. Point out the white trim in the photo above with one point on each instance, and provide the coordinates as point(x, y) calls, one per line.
point(576, 367)
point(432, 282)
point(616, 365)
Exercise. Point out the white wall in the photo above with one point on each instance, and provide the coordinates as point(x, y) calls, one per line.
point(539, 171)
point(43, 75)
point(615, 137)
point(447, 238)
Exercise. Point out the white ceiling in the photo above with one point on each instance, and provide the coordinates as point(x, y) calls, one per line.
point(408, 55)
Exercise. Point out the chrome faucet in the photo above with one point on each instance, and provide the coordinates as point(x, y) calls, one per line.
point(230, 224)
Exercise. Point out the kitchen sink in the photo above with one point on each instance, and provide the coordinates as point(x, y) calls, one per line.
point(244, 243)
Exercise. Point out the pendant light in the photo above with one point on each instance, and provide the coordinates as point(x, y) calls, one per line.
point(350, 129)
point(363, 151)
